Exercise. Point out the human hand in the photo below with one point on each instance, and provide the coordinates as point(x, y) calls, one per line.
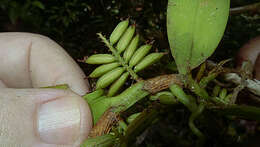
point(31, 116)
point(250, 52)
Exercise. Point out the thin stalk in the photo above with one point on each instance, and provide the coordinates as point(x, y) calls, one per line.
point(188, 101)
point(119, 58)
point(192, 126)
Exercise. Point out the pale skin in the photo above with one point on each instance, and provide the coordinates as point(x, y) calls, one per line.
point(29, 115)
point(251, 52)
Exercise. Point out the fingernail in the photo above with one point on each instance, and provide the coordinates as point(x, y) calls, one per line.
point(59, 121)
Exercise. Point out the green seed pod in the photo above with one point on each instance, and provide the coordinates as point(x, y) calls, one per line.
point(131, 48)
point(118, 84)
point(102, 69)
point(100, 59)
point(125, 39)
point(109, 77)
point(132, 117)
point(223, 93)
point(139, 54)
point(118, 31)
point(93, 95)
point(165, 97)
point(147, 61)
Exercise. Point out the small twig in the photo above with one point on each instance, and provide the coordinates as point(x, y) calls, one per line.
point(119, 58)
point(217, 69)
point(251, 7)
point(211, 65)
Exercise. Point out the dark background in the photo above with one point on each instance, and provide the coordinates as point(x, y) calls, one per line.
point(74, 24)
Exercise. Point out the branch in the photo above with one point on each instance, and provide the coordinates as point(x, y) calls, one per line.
point(162, 82)
point(251, 7)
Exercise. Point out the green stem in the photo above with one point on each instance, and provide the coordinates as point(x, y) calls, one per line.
point(120, 102)
point(192, 126)
point(188, 101)
point(61, 86)
point(195, 87)
point(119, 58)
point(205, 80)
point(93, 95)
point(247, 112)
point(129, 97)
point(135, 128)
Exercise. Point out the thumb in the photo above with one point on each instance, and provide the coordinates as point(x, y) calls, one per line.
point(43, 118)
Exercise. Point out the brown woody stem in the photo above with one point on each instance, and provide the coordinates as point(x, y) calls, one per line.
point(252, 7)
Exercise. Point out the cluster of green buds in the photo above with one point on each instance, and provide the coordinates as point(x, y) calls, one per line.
point(126, 58)
point(221, 95)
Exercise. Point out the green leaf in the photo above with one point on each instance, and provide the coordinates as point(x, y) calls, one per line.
point(38, 4)
point(195, 28)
